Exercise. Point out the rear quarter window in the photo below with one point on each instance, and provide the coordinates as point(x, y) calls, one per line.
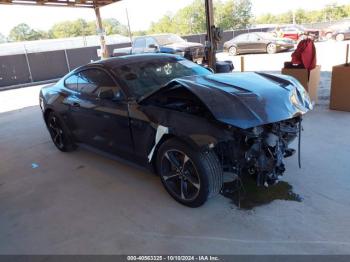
point(71, 82)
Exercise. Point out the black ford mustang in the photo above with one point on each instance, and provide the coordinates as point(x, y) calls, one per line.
point(179, 118)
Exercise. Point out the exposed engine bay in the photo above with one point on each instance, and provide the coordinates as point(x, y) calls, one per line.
point(260, 151)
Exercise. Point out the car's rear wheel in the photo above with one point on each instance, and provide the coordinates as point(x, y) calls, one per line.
point(59, 133)
point(190, 176)
point(232, 51)
point(271, 49)
point(340, 37)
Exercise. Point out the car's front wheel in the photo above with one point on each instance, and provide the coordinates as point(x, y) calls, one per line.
point(59, 134)
point(232, 51)
point(190, 176)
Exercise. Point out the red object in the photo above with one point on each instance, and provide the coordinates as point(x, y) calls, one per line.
point(305, 54)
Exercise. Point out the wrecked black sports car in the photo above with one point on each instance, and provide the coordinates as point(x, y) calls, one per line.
point(190, 125)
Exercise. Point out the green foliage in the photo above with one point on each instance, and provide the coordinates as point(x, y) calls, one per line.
point(188, 20)
point(163, 25)
point(112, 26)
point(82, 28)
point(242, 12)
point(23, 32)
point(332, 12)
point(71, 29)
point(139, 33)
point(228, 14)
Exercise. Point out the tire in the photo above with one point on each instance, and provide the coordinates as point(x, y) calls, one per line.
point(340, 37)
point(59, 133)
point(271, 48)
point(232, 51)
point(188, 175)
point(329, 36)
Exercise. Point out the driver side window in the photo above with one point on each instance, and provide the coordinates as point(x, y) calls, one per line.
point(95, 81)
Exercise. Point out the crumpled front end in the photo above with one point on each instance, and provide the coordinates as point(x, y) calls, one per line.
point(260, 151)
point(248, 119)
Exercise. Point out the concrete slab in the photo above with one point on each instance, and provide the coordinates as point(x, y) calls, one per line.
point(85, 203)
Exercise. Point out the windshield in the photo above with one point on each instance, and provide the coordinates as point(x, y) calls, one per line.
point(142, 78)
point(168, 39)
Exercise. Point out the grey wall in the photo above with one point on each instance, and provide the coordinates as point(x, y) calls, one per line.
point(13, 70)
point(45, 65)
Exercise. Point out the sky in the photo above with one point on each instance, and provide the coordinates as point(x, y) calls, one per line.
point(141, 12)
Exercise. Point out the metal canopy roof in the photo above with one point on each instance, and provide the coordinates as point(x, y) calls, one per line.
point(60, 3)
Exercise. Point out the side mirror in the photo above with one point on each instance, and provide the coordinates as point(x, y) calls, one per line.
point(153, 46)
point(107, 93)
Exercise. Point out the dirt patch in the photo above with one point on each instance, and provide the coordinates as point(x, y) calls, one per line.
point(247, 195)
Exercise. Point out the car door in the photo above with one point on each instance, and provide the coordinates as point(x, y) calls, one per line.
point(256, 43)
point(347, 33)
point(242, 43)
point(101, 113)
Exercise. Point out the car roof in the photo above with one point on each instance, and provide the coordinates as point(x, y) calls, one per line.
point(126, 59)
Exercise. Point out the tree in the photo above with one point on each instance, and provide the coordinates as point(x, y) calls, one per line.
point(139, 33)
point(188, 20)
point(242, 11)
point(112, 26)
point(71, 29)
point(331, 12)
point(23, 32)
point(82, 28)
point(164, 25)
point(335, 12)
point(191, 19)
point(2, 38)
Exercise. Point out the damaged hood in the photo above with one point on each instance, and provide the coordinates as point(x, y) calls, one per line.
point(247, 100)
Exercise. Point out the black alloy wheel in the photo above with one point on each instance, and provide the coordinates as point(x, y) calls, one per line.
point(180, 175)
point(58, 134)
point(189, 175)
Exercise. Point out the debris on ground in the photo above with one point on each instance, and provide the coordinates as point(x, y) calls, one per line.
point(245, 194)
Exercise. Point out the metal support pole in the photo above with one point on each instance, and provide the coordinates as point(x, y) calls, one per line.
point(210, 34)
point(104, 50)
point(67, 60)
point(28, 65)
point(129, 28)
